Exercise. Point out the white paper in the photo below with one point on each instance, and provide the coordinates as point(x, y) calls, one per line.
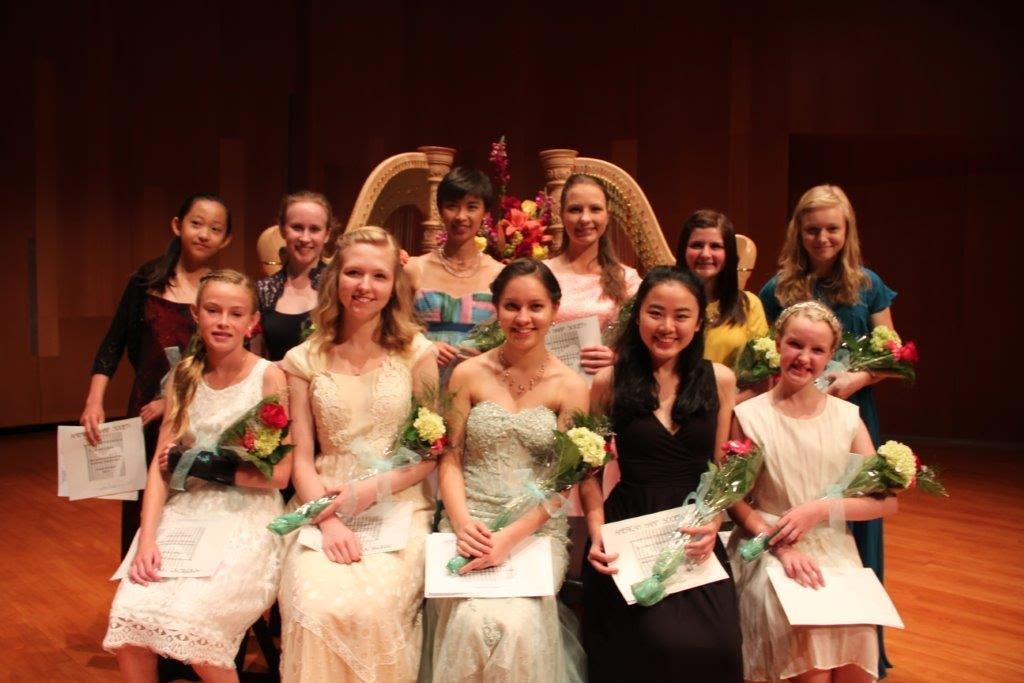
point(849, 596)
point(527, 572)
point(565, 339)
point(188, 547)
point(114, 468)
point(382, 528)
point(638, 542)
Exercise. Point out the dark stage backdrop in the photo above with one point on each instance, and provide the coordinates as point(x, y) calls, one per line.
point(116, 110)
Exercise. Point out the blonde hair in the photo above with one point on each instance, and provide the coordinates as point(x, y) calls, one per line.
point(189, 371)
point(613, 275)
point(796, 279)
point(814, 311)
point(397, 327)
point(313, 198)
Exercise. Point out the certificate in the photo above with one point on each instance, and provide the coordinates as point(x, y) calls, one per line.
point(188, 547)
point(382, 528)
point(565, 339)
point(526, 573)
point(638, 542)
point(850, 596)
point(116, 465)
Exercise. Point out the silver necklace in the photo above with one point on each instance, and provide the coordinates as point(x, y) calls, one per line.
point(453, 271)
point(515, 388)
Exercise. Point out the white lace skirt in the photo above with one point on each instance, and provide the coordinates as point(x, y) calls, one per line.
point(203, 620)
point(774, 650)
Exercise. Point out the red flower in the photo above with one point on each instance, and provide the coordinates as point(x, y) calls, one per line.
point(248, 440)
point(438, 446)
point(508, 202)
point(738, 447)
point(907, 352)
point(274, 416)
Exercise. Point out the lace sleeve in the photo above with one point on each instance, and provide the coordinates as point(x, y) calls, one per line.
point(108, 356)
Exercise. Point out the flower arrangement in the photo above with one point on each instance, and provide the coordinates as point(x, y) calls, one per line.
point(254, 438)
point(522, 230)
point(720, 487)
point(892, 469)
point(758, 360)
point(579, 452)
point(421, 437)
point(882, 350)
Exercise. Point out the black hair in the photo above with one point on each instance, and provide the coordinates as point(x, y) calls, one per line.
point(635, 391)
point(157, 274)
point(732, 304)
point(523, 267)
point(460, 182)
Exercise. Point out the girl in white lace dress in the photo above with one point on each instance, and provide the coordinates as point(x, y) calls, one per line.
point(808, 437)
point(506, 404)
point(201, 621)
point(349, 616)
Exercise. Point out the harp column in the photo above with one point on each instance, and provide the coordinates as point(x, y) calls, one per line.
point(439, 162)
point(557, 165)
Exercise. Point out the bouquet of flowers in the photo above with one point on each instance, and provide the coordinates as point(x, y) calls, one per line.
point(521, 232)
point(720, 487)
point(422, 436)
point(893, 469)
point(757, 361)
point(254, 438)
point(579, 451)
point(883, 351)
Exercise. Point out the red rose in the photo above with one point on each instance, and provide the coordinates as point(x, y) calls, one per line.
point(907, 352)
point(248, 440)
point(274, 416)
point(438, 446)
point(738, 447)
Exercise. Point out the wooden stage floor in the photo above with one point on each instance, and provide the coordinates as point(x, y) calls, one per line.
point(955, 569)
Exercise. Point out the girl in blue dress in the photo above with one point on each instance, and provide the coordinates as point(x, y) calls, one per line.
point(821, 259)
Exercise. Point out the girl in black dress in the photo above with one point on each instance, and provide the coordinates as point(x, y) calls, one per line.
point(671, 411)
point(289, 296)
point(153, 315)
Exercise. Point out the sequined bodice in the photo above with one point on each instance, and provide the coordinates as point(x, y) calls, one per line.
point(499, 446)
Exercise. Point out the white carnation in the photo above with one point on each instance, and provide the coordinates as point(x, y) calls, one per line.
point(591, 445)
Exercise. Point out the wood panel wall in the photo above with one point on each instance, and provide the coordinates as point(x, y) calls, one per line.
point(118, 110)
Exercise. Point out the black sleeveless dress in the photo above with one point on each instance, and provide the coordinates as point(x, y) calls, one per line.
point(693, 635)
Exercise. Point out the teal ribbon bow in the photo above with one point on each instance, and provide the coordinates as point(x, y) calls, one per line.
point(184, 465)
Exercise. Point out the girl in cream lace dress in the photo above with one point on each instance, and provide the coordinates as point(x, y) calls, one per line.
point(512, 398)
point(201, 621)
point(808, 437)
point(348, 616)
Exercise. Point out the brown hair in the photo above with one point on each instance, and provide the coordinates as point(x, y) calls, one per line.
point(398, 325)
point(189, 371)
point(795, 279)
point(613, 275)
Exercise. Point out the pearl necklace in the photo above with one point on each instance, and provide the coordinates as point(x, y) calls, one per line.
point(521, 389)
point(463, 274)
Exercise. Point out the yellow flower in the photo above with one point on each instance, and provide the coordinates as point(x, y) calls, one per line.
point(766, 347)
point(529, 207)
point(881, 336)
point(900, 458)
point(517, 239)
point(481, 242)
point(266, 441)
point(540, 252)
point(428, 425)
point(591, 445)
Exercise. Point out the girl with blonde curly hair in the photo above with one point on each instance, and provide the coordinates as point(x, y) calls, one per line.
point(347, 615)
